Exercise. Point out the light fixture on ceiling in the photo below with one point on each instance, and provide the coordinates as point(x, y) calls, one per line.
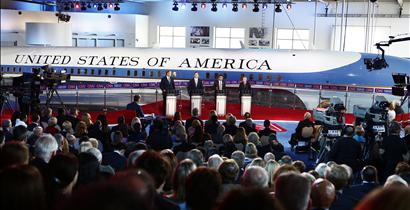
point(277, 8)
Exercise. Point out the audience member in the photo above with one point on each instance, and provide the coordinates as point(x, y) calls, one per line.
point(203, 187)
point(323, 194)
point(293, 191)
point(255, 176)
point(266, 131)
point(249, 198)
point(13, 154)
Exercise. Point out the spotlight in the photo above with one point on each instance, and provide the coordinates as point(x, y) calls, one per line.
point(175, 8)
point(214, 8)
point(224, 5)
point(105, 6)
point(100, 7)
point(66, 7)
point(235, 7)
point(289, 6)
point(203, 5)
point(256, 7)
point(83, 6)
point(183, 6)
point(95, 5)
point(77, 5)
point(117, 7)
point(110, 5)
point(264, 6)
point(194, 8)
point(278, 9)
point(244, 6)
point(89, 5)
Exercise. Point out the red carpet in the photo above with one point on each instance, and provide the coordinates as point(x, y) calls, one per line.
point(258, 113)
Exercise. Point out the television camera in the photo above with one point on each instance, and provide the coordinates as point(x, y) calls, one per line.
point(332, 120)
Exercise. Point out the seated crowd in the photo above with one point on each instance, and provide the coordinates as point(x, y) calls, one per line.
point(70, 162)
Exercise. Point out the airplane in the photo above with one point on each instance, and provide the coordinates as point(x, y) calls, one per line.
point(260, 65)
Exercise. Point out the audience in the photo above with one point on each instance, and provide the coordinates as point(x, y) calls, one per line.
point(293, 191)
point(203, 187)
point(323, 194)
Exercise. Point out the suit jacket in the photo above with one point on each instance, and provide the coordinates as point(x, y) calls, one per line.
point(394, 149)
point(166, 85)
point(347, 151)
point(356, 193)
point(244, 88)
point(137, 108)
point(196, 89)
point(216, 85)
point(115, 160)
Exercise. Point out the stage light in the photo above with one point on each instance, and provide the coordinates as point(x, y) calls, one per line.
point(117, 7)
point(235, 7)
point(77, 5)
point(244, 6)
point(256, 7)
point(278, 9)
point(83, 6)
point(105, 6)
point(110, 5)
point(214, 8)
point(95, 5)
point(100, 7)
point(264, 6)
point(203, 6)
point(183, 6)
point(175, 7)
point(194, 8)
point(224, 5)
point(289, 6)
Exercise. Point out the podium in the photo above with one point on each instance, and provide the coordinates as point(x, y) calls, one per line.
point(171, 103)
point(246, 103)
point(220, 103)
point(196, 102)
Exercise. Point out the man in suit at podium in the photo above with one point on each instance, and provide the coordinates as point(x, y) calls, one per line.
point(244, 87)
point(167, 86)
point(136, 107)
point(219, 84)
point(195, 86)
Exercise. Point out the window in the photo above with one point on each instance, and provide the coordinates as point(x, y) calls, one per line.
point(105, 42)
point(172, 37)
point(292, 39)
point(92, 71)
point(114, 72)
point(106, 72)
point(143, 73)
point(128, 73)
point(120, 43)
point(159, 74)
point(135, 73)
point(151, 73)
point(83, 42)
point(229, 37)
point(207, 76)
point(99, 72)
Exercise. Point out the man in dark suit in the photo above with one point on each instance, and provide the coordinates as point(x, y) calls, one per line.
point(135, 106)
point(195, 116)
point(195, 86)
point(219, 84)
point(347, 150)
point(244, 86)
point(394, 149)
point(167, 86)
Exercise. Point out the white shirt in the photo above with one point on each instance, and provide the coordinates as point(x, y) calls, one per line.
point(220, 84)
point(196, 82)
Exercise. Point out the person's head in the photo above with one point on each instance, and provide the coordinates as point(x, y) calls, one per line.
point(74, 112)
point(20, 133)
point(38, 131)
point(407, 130)
point(244, 79)
point(253, 137)
point(321, 169)
point(60, 140)
point(229, 171)
point(220, 77)
point(81, 128)
point(359, 130)
point(307, 116)
point(45, 147)
point(22, 187)
point(397, 198)
point(196, 156)
point(13, 154)
point(395, 128)
point(251, 150)
point(155, 165)
point(300, 165)
point(88, 168)
point(137, 98)
point(258, 162)
point(348, 131)
point(35, 118)
point(268, 156)
point(126, 190)
point(369, 174)
point(214, 161)
point(52, 121)
point(168, 73)
point(249, 198)
point(266, 123)
point(271, 167)
point(196, 75)
point(200, 196)
point(181, 173)
point(63, 170)
point(395, 181)
point(255, 176)
point(293, 191)
point(283, 169)
point(227, 138)
point(84, 146)
point(86, 117)
point(338, 175)
point(285, 160)
point(231, 120)
point(323, 194)
point(195, 112)
point(97, 153)
point(6, 124)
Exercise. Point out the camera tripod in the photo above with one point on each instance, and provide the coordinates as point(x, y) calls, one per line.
point(53, 93)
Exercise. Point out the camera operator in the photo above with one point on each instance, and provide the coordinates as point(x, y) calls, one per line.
point(28, 96)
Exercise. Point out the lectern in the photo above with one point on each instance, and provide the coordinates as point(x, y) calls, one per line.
point(171, 104)
point(221, 103)
point(246, 103)
point(196, 101)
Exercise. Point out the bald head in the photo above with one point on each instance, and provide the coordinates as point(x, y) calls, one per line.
point(323, 194)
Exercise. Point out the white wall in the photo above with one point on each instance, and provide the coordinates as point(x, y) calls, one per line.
point(301, 15)
point(122, 25)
